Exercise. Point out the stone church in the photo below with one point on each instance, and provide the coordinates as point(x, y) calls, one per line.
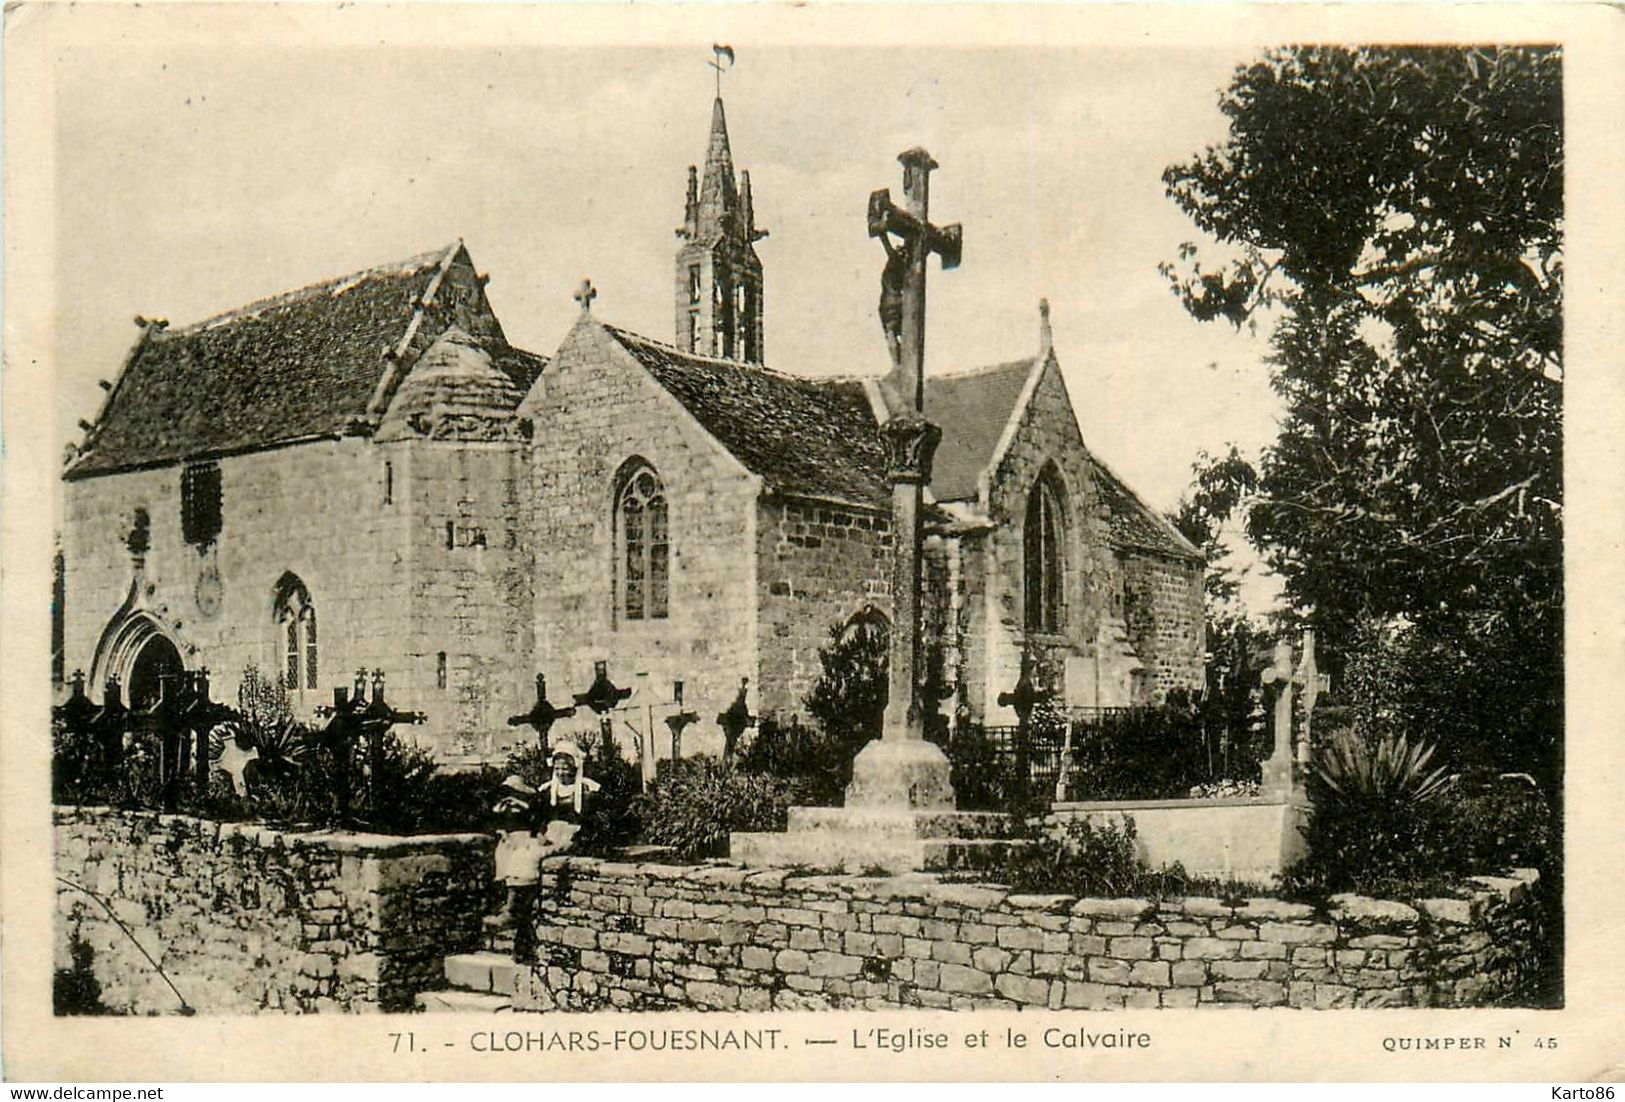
point(365, 473)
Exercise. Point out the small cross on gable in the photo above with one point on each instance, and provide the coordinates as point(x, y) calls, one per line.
point(585, 294)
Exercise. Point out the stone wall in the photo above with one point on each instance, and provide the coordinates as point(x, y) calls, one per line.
point(282, 510)
point(595, 410)
point(1047, 437)
point(466, 623)
point(247, 919)
point(652, 936)
point(820, 564)
point(1162, 606)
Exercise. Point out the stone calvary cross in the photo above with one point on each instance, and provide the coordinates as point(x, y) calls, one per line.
point(1279, 773)
point(901, 769)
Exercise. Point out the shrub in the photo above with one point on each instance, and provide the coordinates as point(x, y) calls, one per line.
point(613, 817)
point(849, 698)
point(1148, 753)
point(820, 762)
point(1383, 823)
point(986, 780)
point(699, 801)
point(1085, 860)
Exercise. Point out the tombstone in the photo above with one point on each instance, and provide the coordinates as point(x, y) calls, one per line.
point(110, 722)
point(1022, 700)
point(375, 721)
point(735, 720)
point(339, 737)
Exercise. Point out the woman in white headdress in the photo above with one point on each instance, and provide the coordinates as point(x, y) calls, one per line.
point(536, 824)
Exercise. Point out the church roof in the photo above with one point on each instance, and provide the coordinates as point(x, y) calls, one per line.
point(807, 437)
point(972, 410)
point(299, 365)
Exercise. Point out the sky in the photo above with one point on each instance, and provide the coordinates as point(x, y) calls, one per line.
point(198, 173)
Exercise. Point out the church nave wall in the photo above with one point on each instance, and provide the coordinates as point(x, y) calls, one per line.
point(595, 410)
point(820, 565)
point(1047, 438)
point(314, 511)
point(1162, 604)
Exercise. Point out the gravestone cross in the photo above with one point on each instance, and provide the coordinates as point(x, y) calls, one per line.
point(1278, 769)
point(1023, 699)
point(734, 721)
point(1306, 682)
point(678, 720)
point(603, 696)
point(339, 737)
point(901, 768)
point(110, 722)
point(542, 715)
point(1311, 682)
point(376, 720)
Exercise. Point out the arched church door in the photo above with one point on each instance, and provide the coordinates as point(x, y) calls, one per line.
point(157, 659)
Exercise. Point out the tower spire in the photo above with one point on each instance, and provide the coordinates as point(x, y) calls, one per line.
point(718, 194)
point(719, 276)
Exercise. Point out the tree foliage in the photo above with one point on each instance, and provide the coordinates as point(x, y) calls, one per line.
point(1396, 214)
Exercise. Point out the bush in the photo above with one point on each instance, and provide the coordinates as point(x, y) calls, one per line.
point(1152, 753)
point(819, 761)
point(699, 801)
point(986, 780)
point(1383, 823)
point(849, 698)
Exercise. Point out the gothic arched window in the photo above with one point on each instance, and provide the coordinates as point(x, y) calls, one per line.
point(295, 617)
point(1043, 555)
point(643, 544)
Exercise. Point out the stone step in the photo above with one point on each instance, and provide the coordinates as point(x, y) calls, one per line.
point(495, 973)
point(462, 1002)
point(901, 823)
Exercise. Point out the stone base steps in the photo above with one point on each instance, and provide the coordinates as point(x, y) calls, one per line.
point(861, 851)
point(881, 822)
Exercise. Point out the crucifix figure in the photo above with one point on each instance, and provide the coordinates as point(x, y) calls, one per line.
point(902, 283)
point(901, 769)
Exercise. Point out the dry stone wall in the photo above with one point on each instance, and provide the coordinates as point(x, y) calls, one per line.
point(714, 937)
point(245, 919)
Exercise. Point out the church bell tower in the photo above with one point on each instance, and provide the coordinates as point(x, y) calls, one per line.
point(719, 276)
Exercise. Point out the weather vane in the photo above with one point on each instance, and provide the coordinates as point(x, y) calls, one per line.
point(722, 60)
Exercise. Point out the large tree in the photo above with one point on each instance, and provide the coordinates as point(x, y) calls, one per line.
point(1395, 215)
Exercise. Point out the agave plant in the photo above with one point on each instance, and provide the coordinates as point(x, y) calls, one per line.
point(1353, 768)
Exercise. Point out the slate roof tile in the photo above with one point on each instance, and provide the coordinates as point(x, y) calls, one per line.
point(812, 437)
point(298, 365)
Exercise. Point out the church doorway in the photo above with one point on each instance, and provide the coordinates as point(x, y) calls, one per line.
point(158, 659)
